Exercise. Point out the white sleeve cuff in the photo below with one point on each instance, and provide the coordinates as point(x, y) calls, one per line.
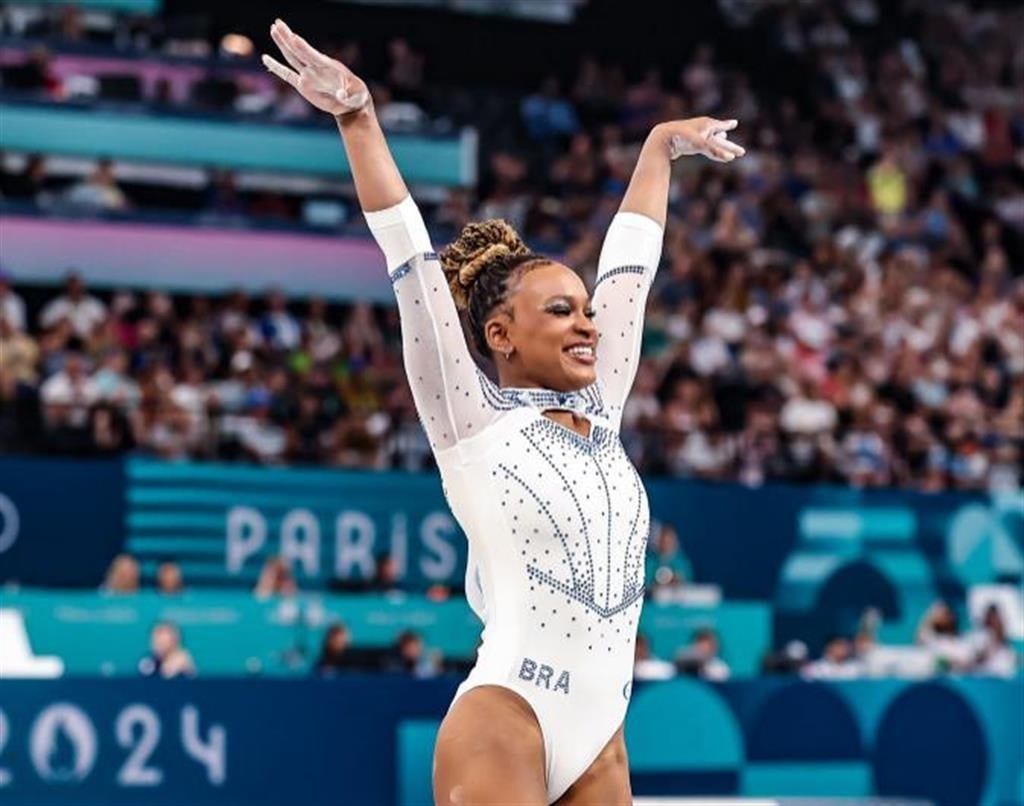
point(399, 231)
point(641, 222)
point(632, 239)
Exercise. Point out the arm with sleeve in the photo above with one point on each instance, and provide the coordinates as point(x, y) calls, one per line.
point(443, 376)
point(625, 271)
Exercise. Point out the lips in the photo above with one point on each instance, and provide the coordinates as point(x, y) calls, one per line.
point(582, 353)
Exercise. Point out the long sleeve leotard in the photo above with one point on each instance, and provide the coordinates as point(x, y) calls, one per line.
point(556, 522)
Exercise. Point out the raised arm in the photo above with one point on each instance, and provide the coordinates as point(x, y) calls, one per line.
point(632, 248)
point(331, 87)
point(442, 374)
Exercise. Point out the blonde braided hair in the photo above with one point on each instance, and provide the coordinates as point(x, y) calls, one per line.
point(478, 266)
point(480, 246)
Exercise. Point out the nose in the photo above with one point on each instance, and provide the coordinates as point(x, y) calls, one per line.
point(586, 327)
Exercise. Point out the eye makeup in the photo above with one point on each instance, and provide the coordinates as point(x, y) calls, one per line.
point(562, 306)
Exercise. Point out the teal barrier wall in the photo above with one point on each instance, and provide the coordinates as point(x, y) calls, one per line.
point(368, 740)
point(819, 555)
point(96, 633)
point(236, 144)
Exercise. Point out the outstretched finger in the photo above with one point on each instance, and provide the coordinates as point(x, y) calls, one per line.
point(281, 40)
point(730, 146)
point(302, 48)
point(724, 125)
point(281, 71)
point(719, 154)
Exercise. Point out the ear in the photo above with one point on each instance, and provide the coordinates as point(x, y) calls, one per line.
point(497, 332)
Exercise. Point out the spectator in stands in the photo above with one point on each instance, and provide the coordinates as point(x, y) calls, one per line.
point(158, 425)
point(405, 75)
point(12, 306)
point(395, 115)
point(438, 592)
point(791, 659)
point(20, 425)
point(410, 656)
point(112, 382)
point(122, 576)
point(994, 655)
point(259, 437)
point(19, 356)
point(279, 329)
point(335, 655)
point(34, 74)
point(406, 448)
point(110, 431)
point(701, 657)
point(667, 568)
point(275, 579)
point(29, 185)
point(385, 577)
point(363, 335)
point(506, 193)
point(939, 631)
point(837, 662)
point(167, 657)
point(321, 338)
point(68, 395)
point(169, 579)
point(646, 666)
point(98, 191)
point(547, 114)
point(83, 311)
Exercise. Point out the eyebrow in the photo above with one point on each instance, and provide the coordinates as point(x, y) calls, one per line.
point(566, 298)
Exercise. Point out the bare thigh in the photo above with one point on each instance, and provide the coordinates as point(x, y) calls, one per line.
point(606, 781)
point(490, 751)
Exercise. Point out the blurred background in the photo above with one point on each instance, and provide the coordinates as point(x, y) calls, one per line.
point(227, 571)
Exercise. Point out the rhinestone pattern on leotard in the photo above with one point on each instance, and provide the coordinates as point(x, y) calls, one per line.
point(579, 514)
point(572, 507)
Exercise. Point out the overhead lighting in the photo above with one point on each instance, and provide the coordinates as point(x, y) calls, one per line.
point(236, 45)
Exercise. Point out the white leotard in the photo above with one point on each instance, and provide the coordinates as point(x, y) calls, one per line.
point(557, 523)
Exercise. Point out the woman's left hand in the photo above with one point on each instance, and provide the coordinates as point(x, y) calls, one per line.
point(707, 136)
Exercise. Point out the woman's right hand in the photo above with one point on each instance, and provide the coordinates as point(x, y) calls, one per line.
point(324, 82)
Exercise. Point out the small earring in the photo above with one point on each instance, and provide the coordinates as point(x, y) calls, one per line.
point(508, 353)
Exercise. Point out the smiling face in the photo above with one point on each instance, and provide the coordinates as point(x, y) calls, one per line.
point(547, 321)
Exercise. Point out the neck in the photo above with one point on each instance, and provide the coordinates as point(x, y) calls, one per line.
point(510, 376)
point(514, 377)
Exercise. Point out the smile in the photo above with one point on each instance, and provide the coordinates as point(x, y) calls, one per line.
point(583, 353)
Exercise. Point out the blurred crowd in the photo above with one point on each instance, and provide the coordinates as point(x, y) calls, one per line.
point(844, 304)
point(217, 75)
point(212, 380)
point(940, 646)
point(168, 655)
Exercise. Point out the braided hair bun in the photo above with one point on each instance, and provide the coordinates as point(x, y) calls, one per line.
point(481, 246)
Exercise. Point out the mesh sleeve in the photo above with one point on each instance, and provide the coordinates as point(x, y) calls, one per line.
point(446, 385)
point(625, 270)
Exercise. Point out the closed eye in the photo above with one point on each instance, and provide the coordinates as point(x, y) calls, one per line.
point(565, 310)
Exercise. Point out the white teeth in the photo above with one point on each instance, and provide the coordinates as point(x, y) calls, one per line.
point(582, 350)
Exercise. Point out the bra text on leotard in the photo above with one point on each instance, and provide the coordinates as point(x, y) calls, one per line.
point(541, 674)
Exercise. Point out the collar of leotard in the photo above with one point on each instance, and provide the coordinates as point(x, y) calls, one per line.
point(586, 401)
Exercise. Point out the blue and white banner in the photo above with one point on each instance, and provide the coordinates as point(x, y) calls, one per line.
point(364, 740)
point(221, 522)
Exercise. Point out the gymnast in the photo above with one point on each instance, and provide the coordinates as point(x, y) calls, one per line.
point(532, 466)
